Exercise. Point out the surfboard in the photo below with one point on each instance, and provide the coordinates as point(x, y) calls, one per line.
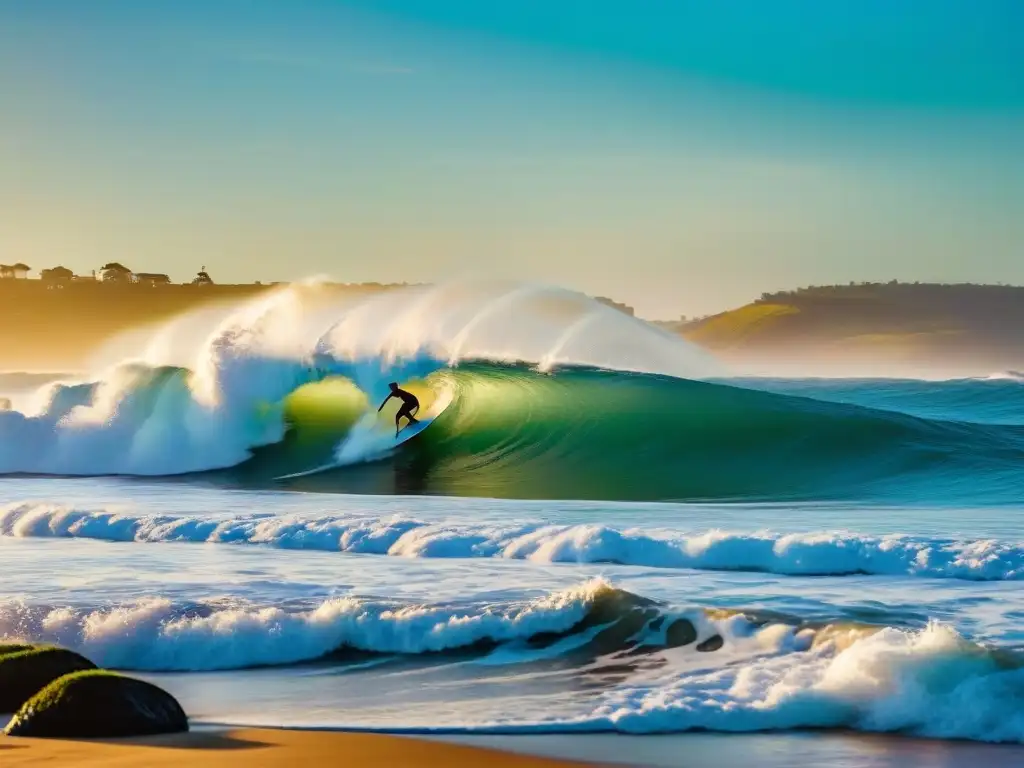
point(377, 446)
point(307, 472)
point(411, 430)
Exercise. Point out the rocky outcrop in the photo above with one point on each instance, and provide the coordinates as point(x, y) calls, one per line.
point(98, 704)
point(24, 670)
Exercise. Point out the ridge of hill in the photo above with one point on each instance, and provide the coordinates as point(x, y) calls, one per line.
point(967, 327)
point(858, 329)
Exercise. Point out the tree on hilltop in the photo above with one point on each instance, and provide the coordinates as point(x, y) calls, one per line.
point(115, 272)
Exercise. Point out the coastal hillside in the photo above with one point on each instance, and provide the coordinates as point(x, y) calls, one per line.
point(58, 322)
point(872, 326)
point(858, 329)
point(58, 326)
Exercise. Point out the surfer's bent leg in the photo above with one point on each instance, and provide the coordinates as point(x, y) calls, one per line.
point(403, 411)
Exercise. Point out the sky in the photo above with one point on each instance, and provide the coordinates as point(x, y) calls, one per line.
point(682, 156)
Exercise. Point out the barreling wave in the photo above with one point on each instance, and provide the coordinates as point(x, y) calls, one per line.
point(825, 553)
point(545, 394)
point(654, 668)
point(585, 433)
point(201, 398)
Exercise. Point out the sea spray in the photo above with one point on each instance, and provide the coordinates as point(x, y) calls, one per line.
point(158, 413)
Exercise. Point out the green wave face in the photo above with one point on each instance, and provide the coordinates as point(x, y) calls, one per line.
point(321, 414)
point(591, 434)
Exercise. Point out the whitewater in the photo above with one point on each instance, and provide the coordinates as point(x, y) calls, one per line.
point(601, 530)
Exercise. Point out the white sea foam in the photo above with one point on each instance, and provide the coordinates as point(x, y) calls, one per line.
point(1005, 376)
point(231, 370)
point(929, 682)
point(796, 554)
point(157, 635)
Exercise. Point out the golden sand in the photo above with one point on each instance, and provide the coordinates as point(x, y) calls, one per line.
point(251, 747)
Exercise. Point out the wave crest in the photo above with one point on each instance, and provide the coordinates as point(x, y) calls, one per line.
point(159, 635)
point(824, 553)
point(206, 401)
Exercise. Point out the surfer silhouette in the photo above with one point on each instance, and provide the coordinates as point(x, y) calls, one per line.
point(409, 406)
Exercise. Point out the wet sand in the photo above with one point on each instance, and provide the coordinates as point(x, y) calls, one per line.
point(836, 749)
point(250, 747)
point(280, 747)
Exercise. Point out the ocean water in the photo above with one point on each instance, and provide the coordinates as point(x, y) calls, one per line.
point(599, 531)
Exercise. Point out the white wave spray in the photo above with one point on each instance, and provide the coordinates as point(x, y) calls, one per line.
point(200, 396)
point(824, 553)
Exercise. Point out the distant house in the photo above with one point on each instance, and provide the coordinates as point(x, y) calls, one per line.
point(202, 278)
point(116, 273)
point(17, 271)
point(152, 278)
point(57, 276)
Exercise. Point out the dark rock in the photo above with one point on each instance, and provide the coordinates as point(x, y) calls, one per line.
point(24, 672)
point(98, 704)
point(680, 632)
point(713, 643)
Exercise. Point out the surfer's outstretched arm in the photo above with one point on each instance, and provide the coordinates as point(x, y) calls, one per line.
point(384, 403)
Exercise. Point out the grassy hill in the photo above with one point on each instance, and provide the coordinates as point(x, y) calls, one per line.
point(966, 327)
point(50, 327)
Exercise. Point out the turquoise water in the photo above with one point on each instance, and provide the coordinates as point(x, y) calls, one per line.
point(824, 554)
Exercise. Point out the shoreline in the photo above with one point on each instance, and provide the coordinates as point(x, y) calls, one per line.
point(247, 747)
point(251, 747)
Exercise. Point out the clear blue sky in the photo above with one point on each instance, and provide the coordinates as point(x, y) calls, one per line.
point(682, 156)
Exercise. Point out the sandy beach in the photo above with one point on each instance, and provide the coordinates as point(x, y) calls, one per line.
point(261, 747)
point(282, 747)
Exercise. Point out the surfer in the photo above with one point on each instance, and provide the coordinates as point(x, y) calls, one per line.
point(409, 405)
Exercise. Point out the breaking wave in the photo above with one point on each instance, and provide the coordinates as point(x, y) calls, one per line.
point(201, 398)
point(929, 682)
point(665, 668)
point(826, 553)
point(539, 393)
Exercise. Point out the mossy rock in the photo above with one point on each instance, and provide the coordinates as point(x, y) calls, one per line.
point(24, 672)
point(98, 705)
point(6, 648)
